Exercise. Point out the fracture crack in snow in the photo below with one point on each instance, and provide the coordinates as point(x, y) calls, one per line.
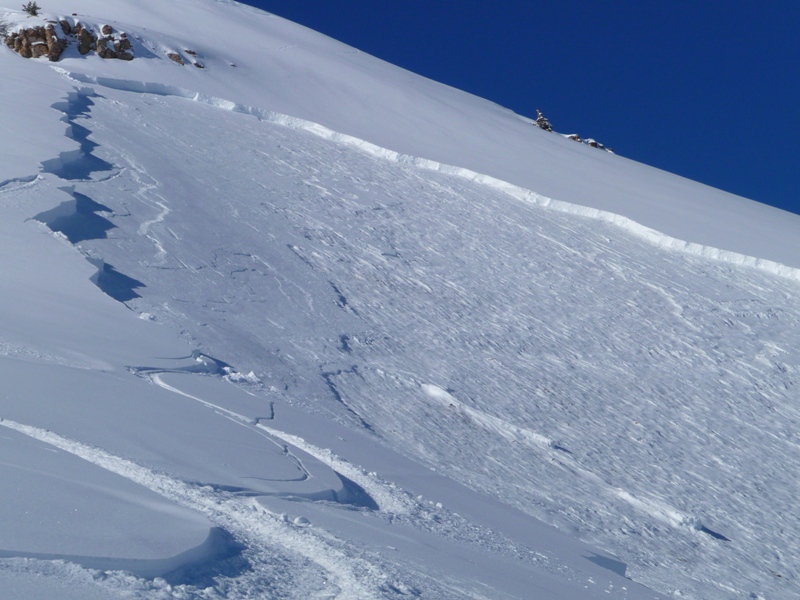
point(77, 219)
point(329, 380)
point(656, 238)
point(80, 164)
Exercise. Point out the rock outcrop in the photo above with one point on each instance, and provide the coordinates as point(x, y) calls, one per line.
point(588, 141)
point(52, 37)
point(35, 42)
point(183, 60)
point(114, 46)
point(543, 123)
point(86, 40)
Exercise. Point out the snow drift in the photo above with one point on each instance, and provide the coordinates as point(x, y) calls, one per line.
point(300, 323)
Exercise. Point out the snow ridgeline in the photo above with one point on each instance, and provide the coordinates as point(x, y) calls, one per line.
point(652, 236)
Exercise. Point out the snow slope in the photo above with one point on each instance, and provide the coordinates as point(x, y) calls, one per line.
point(302, 324)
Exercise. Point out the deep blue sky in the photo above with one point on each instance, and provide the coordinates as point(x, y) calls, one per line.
point(703, 88)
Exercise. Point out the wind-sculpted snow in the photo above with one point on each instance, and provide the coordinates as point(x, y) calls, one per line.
point(651, 235)
point(263, 532)
point(567, 367)
point(93, 504)
point(273, 550)
point(225, 448)
point(18, 180)
point(343, 370)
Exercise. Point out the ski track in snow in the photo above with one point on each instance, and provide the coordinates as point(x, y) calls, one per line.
point(652, 236)
point(269, 539)
point(385, 275)
point(262, 531)
point(380, 492)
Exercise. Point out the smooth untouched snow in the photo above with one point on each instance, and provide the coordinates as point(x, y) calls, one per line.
point(303, 324)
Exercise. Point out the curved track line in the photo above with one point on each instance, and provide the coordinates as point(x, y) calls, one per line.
point(251, 523)
point(382, 494)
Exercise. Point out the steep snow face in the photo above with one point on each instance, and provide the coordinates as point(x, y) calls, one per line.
point(614, 389)
point(313, 326)
point(259, 60)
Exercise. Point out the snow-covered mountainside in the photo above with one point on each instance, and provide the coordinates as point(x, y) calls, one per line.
point(299, 323)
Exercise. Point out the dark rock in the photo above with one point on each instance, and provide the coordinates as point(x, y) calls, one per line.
point(35, 42)
point(103, 51)
point(38, 50)
point(176, 58)
point(542, 122)
point(85, 41)
point(53, 42)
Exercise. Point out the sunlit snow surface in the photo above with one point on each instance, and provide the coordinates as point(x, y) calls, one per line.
point(354, 373)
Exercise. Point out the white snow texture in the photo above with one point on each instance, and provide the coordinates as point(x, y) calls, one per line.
point(301, 324)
